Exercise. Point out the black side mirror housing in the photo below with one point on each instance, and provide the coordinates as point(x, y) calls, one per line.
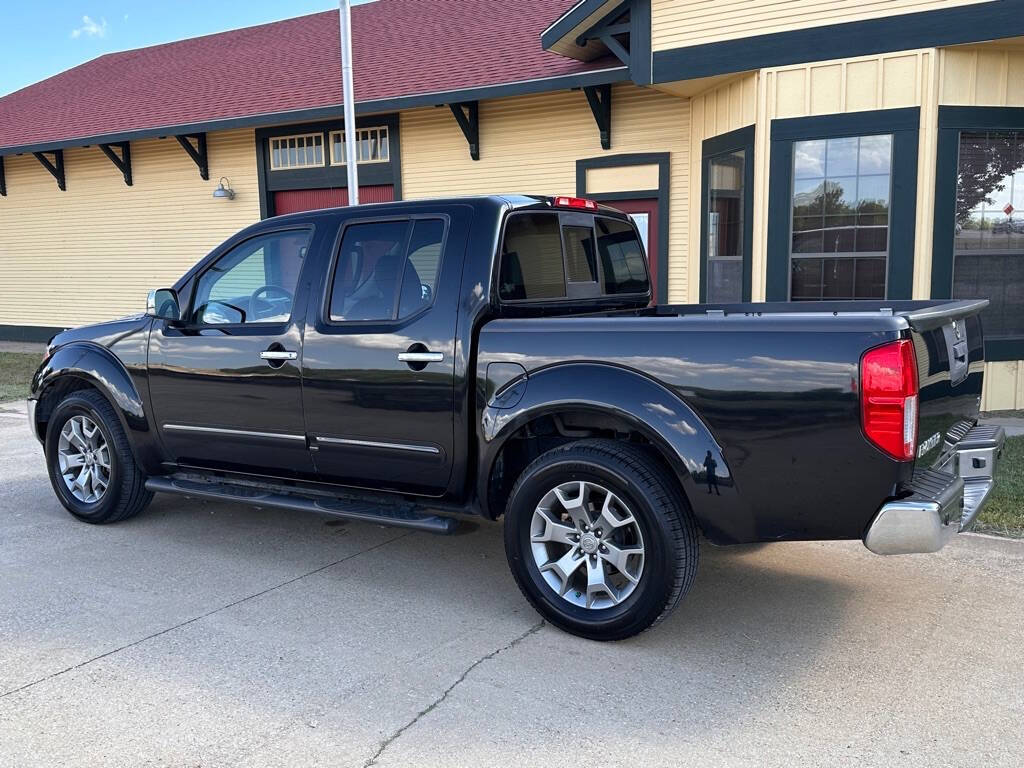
point(162, 303)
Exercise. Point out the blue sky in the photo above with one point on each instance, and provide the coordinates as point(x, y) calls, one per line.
point(39, 39)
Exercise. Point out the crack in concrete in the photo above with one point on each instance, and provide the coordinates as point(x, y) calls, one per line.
point(440, 699)
point(194, 619)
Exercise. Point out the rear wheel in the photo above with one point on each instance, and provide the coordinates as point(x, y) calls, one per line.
point(600, 539)
point(90, 463)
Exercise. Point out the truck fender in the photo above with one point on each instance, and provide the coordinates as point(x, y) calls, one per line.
point(101, 369)
point(652, 409)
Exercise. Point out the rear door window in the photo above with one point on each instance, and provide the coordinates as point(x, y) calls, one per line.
point(386, 270)
point(547, 256)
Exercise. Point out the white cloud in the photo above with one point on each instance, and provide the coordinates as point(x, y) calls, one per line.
point(90, 28)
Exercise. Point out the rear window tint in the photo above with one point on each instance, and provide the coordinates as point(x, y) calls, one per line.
point(531, 258)
point(622, 257)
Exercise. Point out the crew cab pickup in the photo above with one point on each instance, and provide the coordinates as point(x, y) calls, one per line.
point(409, 363)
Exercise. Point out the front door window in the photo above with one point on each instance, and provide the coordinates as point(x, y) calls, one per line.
point(839, 243)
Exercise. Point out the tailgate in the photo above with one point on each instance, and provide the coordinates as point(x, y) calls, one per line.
point(949, 345)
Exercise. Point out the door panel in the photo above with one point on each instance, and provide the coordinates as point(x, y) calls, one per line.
point(219, 398)
point(377, 420)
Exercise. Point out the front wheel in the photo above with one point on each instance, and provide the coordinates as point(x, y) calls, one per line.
point(600, 539)
point(90, 463)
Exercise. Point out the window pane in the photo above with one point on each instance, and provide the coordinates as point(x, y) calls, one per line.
point(622, 257)
point(809, 159)
point(840, 207)
point(531, 258)
point(370, 264)
point(579, 254)
point(869, 281)
point(989, 240)
point(808, 197)
point(253, 283)
point(875, 155)
point(841, 157)
point(837, 278)
point(421, 268)
point(725, 227)
point(806, 275)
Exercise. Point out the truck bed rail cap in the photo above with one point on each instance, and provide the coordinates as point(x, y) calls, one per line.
point(940, 314)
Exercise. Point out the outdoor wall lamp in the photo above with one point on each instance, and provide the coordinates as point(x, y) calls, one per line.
point(224, 189)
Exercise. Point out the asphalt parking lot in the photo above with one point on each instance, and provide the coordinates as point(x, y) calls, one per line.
point(208, 634)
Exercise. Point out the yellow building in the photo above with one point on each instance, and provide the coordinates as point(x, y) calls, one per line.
point(768, 149)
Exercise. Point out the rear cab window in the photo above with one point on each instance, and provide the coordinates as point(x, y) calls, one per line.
point(554, 256)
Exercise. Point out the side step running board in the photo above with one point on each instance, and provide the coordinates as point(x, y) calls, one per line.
point(403, 516)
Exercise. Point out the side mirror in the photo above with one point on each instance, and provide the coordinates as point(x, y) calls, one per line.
point(163, 304)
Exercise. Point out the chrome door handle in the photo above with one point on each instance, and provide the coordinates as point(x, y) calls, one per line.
point(278, 354)
point(420, 357)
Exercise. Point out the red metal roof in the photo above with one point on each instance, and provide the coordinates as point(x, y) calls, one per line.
point(401, 48)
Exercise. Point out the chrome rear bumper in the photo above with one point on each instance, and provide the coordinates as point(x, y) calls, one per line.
point(945, 500)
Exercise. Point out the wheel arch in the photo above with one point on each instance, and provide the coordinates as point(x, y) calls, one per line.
point(85, 365)
point(612, 396)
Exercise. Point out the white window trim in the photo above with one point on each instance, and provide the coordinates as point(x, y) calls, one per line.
point(381, 130)
point(306, 136)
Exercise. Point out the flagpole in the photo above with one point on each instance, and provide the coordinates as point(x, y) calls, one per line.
point(345, 14)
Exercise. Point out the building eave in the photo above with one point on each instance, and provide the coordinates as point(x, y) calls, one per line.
point(393, 104)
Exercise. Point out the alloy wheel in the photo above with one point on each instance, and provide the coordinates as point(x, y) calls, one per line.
point(84, 459)
point(587, 545)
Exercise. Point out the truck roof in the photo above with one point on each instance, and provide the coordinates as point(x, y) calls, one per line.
point(493, 202)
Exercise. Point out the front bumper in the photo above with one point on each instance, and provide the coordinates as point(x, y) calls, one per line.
point(945, 500)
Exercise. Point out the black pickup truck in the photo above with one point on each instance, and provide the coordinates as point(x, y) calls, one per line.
point(408, 363)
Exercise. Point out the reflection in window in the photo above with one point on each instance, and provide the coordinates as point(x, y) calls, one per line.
point(622, 257)
point(725, 228)
point(989, 241)
point(840, 217)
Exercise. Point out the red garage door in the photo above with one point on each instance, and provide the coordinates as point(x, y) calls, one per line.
point(295, 200)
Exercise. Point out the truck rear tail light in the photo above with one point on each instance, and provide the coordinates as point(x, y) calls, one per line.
point(888, 398)
point(576, 202)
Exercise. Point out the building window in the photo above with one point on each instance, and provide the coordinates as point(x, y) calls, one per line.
point(988, 242)
point(725, 228)
point(842, 206)
point(371, 145)
point(727, 234)
point(839, 241)
point(287, 152)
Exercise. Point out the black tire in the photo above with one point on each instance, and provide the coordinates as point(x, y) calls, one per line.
point(126, 494)
point(652, 494)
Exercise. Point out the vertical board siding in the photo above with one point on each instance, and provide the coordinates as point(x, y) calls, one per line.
point(887, 81)
point(679, 23)
point(990, 75)
point(718, 110)
point(530, 144)
point(92, 253)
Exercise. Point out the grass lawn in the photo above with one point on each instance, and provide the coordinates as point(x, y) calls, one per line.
point(16, 369)
point(1003, 513)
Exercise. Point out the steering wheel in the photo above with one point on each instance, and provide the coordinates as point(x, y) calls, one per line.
point(267, 290)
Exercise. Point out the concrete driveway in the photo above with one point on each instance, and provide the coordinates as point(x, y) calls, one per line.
point(207, 634)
